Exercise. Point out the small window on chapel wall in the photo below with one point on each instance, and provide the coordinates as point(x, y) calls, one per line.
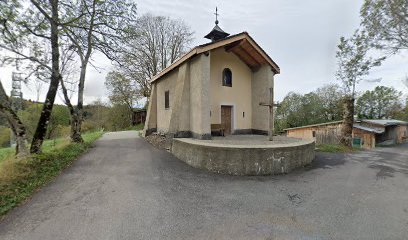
point(227, 77)
point(166, 100)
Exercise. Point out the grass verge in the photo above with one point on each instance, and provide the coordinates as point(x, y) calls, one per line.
point(48, 146)
point(335, 148)
point(137, 127)
point(6, 153)
point(20, 179)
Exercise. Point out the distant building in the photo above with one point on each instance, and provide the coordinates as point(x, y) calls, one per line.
point(381, 132)
point(139, 116)
point(323, 133)
point(366, 133)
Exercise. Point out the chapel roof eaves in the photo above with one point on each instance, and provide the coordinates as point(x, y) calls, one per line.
point(216, 44)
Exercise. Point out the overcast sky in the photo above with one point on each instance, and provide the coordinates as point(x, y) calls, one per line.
point(299, 35)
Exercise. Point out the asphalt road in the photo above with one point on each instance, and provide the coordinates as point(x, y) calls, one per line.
point(124, 188)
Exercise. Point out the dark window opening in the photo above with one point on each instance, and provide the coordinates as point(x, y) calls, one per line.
point(227, 77)
point(166, 100)
point(243, 114)
point(314, 133)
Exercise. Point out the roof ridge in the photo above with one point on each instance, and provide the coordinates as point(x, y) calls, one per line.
point(313, 125)
point(201, 48)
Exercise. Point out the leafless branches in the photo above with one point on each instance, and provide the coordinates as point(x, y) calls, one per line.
point(153, 44)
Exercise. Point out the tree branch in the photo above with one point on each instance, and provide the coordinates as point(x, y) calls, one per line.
point(34, 59)
point(37, 5)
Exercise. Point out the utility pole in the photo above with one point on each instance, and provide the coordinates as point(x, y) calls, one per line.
point(16, 93)
point(16, 96)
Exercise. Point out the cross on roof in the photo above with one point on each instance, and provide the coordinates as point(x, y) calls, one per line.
point(216, 15)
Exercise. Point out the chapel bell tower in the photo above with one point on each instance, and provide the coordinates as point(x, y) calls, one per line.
point(216, 33)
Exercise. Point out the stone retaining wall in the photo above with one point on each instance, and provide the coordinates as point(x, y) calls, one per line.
point(243, 159)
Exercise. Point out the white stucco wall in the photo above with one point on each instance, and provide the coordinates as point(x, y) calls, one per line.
point(238, 96)
point(183, 93)
point(200, 91)
point(200, 95)
point(166, 83)
point(261, 81)
point(151, 118)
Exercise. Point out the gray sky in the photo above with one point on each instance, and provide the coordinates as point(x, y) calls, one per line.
point(300, 36)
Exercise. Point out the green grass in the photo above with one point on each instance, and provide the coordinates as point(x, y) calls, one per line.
point(334, 148)
point(91, 137)
point(137, 127)
point(49, 145)
point(6, 153)
point(20, 179)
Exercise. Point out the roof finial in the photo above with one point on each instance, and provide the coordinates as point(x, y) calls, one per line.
point(216, 33)
point(216, 16)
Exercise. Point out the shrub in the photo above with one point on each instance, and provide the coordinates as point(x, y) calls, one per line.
point(5, 136)
point(89, 126)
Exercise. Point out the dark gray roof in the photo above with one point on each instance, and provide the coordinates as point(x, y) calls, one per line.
point(230, 36)
point(217, 28)
point(369, 129)
point(216, 34)
point(385, 122)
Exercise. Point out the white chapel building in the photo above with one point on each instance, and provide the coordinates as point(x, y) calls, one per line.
point(215, 86)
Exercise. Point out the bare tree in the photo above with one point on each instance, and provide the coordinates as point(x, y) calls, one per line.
point(25, 23)
point(50, 13)
point(154, 44)
point(98, 25)
point(354, 63)
point(33, 31)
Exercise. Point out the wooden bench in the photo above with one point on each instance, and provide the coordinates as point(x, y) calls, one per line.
point(217, 129)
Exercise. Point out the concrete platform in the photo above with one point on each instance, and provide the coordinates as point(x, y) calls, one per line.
point(245, 154)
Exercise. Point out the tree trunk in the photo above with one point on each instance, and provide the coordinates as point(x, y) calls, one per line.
point(78, 117)
point(348, 119)
point(16, 125)
point(75, 133)
point(19, 132)
point(42, 125)
point(20, 135)
point(76, 123)
point(76, 113)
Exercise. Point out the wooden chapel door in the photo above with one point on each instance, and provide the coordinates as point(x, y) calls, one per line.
point(226, 118)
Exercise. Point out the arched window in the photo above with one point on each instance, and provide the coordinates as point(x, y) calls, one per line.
point(227, 77)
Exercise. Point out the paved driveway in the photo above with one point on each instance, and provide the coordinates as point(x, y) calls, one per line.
point(126, 189)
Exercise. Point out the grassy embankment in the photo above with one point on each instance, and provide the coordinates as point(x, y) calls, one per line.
point(20, 179)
